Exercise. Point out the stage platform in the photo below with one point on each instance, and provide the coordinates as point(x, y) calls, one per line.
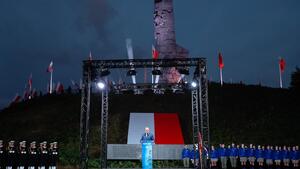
point(134, 151)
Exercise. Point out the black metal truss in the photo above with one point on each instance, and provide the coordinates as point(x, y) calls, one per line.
point(92, 69)
point(142, 63)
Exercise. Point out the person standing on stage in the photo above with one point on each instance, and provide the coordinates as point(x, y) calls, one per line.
point(53, 155)
point(11, 155)
point(277, 156)
point(213, 156)
point(43, 155)
point(298, 155)
point(285, 156)
point(269, 156)
point(251, 154)
point(295, 157)
point(147, 136)
point(22, 155)
point(186, 153)
point(32, 155)
point(222, 155)
point(243, 155)
point(233, 155)
point(195, 156)
point(259, 154)
point(2, 155)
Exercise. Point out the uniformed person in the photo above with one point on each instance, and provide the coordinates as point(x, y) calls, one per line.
point(53, 155)
point(22, 156)
point(11, 155)
point(2, 155)
point(233, 155)
point(222, 155)
point(259, 155)
point(32, 156)
point(269, 156)
point(251, 155)
point(43, 155)
point(243, 155)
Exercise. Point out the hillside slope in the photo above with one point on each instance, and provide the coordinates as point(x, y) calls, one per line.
point(239, 113)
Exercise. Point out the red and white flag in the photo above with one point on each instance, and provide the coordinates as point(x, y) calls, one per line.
point(281, 70)
point(221, 63)
point(155, 53)
point(221, 66)
point(282, 65)
point(165, 127)
point(50, 67)
point(200, 142)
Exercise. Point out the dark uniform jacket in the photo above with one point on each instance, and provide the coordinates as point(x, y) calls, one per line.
point(2, 157)
point(33, 158)
point(11, 157)
point(53, 157)
point(22, 157)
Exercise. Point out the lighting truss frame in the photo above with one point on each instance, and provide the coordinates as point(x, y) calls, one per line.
point(92, 69)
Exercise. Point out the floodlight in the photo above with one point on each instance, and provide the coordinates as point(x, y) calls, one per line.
point(101, 85)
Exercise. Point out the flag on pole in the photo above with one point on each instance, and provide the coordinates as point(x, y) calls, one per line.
point(281, 70)
point(59, 88)
point(90, 57)
point(34, 93)
point(221, 63)
point(16, 99)
point(155, 53)
point(282, 65)
point(200, 142)
point(221, 66)
point(50, 67)
point(200, 147)
point(26, 95)
point(30, 82)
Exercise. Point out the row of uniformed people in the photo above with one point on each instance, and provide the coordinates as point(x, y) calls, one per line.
point(253, 154)
point(21, 157)
point(192, 155)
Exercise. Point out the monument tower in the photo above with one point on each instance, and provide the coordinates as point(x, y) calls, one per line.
point(165, 38)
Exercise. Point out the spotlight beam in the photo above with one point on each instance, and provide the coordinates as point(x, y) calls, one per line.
point(130, 56)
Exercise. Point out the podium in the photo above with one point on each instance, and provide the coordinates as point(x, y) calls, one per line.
point(147, 155)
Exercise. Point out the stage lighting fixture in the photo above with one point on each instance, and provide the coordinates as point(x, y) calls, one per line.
point(131, 72)
point(184, 71)
point(193, 84)
point(104, 72)
point(101, 85)
point(156, 72)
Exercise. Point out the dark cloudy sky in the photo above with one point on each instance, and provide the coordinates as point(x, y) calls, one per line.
point(251, 35)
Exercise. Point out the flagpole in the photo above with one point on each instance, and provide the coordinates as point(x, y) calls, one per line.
point(221, 76)
point(152, 79)
point(51, 83)
point(280, 77)
point(145, 75)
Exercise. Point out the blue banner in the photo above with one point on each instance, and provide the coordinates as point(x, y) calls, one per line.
point(147, 155)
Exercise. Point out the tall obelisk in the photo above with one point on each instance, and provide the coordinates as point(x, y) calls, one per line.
point(165, 38)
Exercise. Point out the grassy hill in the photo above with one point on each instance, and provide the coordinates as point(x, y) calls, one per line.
point(239, 113)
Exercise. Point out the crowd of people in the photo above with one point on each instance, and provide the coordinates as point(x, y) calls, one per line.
point(244, 156)
point(21, 156)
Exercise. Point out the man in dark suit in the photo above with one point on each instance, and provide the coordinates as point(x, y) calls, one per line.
point(147, 136)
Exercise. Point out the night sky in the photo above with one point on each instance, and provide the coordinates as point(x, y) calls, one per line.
point(250, 34)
